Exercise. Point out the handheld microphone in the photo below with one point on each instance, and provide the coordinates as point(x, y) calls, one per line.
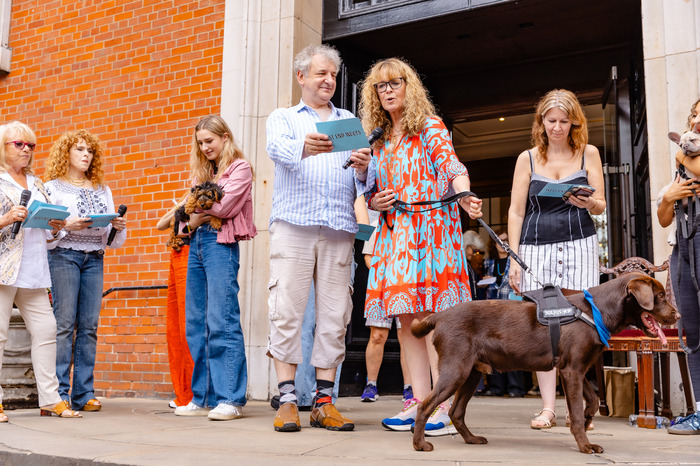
point(113, 233)
point(374, 135)
point(23, 201)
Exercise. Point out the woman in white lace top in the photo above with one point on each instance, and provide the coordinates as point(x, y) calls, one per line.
point(75, 175)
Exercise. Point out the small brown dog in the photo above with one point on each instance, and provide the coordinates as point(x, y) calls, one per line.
point(202, 197)
point(480, 336)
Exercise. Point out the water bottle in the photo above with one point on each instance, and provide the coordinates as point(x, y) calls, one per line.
point(661, 421)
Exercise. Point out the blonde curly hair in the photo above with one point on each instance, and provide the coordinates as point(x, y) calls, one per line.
point(59, 156)
point(417, 104)
point(201, 168)
point(567, 102)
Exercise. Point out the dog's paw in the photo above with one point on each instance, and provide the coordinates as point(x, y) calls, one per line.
point(423, 446)
point(476, 440)
point(589, 448)
point(215, 223)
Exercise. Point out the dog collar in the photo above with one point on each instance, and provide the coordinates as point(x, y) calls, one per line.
point(603, 332)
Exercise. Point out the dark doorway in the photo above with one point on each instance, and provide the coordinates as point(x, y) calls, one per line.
point(486, 63)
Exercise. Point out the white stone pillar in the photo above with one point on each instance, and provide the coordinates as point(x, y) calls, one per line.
point(671, 38)
point(261, 38)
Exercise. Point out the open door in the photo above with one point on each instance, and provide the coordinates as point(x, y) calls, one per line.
point(614, 226)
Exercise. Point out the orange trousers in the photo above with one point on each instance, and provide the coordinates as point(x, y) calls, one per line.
point(181, 364)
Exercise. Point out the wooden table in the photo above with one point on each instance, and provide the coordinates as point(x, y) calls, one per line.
point(645, 347)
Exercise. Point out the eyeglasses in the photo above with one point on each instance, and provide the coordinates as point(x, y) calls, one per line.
point(394, 83)
point(20, 144)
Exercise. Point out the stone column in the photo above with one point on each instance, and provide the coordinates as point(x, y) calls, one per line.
point(261, 38)
point(671, 38)
point(18, 383)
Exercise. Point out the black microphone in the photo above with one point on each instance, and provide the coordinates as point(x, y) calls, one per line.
point(23, 201)
point(113, 233)
point(374, 135)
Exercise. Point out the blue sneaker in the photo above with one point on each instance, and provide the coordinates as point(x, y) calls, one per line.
point(407, 393)
point(689, 425)
point(405, 419)
point(370, 393)
point(439, 422)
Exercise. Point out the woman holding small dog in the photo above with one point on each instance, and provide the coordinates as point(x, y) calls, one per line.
point(418, 265)
point(566, 257)
point(76, 181)
point(686, 295)
point(214, 333)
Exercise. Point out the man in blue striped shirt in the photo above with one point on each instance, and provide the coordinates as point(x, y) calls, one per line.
point(312, 228)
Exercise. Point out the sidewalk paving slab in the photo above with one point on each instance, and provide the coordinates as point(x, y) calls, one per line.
point(145, 432)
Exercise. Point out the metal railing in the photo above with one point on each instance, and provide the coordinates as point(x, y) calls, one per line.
point(132, 288)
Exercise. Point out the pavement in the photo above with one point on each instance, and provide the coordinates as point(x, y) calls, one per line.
point(145, 432)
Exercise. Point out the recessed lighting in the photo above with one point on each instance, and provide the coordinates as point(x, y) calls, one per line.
point(502, 119)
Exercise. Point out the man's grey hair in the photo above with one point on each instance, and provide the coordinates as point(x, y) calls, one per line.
point(303, 59)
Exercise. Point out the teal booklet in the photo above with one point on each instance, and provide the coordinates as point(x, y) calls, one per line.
point(365, 232)
point(101, 220)
point(346, 134)
point(39, 214)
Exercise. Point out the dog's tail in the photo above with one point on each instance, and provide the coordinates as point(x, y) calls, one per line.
point(425, 326)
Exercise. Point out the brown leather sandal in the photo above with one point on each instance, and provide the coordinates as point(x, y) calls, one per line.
point(92, 405)
point(3, 416)
point(61, 410)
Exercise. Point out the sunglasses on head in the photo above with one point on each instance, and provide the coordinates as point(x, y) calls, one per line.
point(20, 144)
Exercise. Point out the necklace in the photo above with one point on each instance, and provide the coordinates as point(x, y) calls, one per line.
point(498, 267)
point(76, 181)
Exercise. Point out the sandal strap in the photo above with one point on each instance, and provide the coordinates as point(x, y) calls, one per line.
point(554, 414)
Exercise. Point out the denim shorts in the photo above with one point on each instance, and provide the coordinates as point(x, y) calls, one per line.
point(384, 322)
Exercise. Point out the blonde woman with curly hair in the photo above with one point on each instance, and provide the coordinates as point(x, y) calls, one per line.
point(212, 313)
point(76, 181)
point(556, 238)
point(418, 265)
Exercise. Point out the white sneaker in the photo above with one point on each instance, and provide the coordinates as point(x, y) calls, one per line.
point(224, 412)
point(172, 404)
point(191, 409)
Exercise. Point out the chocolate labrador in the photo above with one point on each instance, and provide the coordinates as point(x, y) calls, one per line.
point(479, 336)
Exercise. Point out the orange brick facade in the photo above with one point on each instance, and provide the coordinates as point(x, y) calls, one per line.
point(139, 74)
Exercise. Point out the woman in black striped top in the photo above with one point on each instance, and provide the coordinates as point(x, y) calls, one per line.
point(557, 238)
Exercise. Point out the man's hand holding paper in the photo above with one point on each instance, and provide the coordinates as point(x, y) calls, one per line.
point(317, 143)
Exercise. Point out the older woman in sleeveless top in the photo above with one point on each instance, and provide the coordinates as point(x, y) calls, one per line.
point(557, 238)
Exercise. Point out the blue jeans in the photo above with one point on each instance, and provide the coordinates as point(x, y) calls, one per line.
point(305, 378)
point(214, 332)
point(76, 289)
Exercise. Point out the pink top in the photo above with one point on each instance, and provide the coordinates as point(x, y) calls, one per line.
point(236, 207)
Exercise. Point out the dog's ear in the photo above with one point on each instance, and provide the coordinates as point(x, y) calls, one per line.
point(642, 289)
point(675, 137)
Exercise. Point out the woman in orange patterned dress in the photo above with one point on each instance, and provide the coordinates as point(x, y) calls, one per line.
point(418, 265)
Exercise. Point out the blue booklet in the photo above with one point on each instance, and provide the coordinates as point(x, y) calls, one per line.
point(346, 134)
point(101, 220)
point(40, 213)
point(365, 232)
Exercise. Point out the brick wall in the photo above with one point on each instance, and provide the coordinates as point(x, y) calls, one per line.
point(139, 74)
